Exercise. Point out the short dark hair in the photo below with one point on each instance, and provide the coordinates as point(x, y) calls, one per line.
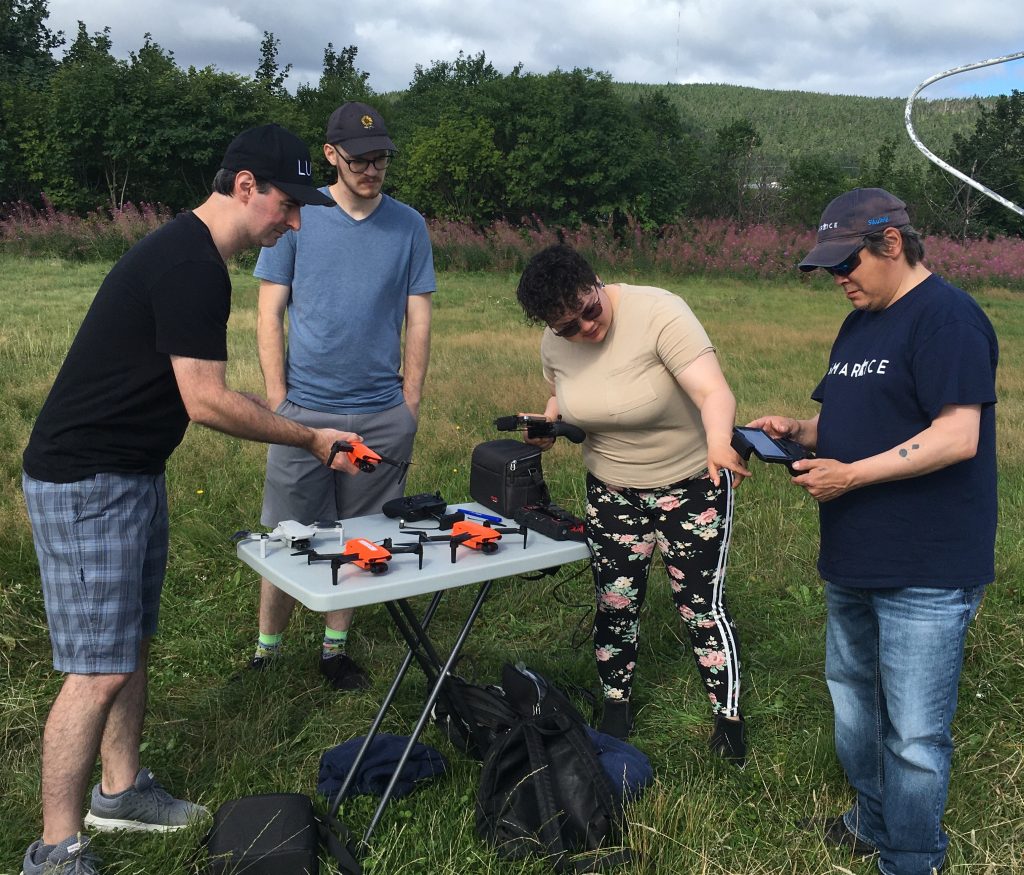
point(913, 247)
point(554, 282)
point(224, 182)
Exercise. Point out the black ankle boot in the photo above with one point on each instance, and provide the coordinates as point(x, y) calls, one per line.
point(729, 740)
point(616, 719)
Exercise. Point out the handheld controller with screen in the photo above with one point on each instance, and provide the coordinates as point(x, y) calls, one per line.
point(768, 449)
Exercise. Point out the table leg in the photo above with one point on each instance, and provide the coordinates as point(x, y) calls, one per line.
point(425, 713)
point(388, 699)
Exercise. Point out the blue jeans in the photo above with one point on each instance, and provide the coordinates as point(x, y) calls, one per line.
point(892, 662)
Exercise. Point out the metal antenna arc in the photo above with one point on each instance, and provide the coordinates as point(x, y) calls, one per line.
point(931, 156)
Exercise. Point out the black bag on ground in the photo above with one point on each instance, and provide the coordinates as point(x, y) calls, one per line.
point(273, 834)
point(505, 475)
point(542, 789)
point(471, 716)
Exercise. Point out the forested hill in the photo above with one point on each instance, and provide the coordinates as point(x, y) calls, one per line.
point(796, 123)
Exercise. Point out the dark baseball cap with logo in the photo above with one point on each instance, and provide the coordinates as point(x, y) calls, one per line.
point(276, 155)
point(358, 129)
point(849, 219)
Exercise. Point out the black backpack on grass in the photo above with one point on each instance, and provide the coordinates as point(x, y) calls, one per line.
point(471, 716)
point(542, 789)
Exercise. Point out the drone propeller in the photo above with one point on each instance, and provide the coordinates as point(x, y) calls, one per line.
point(477, 536)
point(405, 548)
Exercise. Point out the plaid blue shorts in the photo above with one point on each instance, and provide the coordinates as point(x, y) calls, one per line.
point(102, 549)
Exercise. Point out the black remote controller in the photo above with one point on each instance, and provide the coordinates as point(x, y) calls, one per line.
point(552, 521)
point(753, 441)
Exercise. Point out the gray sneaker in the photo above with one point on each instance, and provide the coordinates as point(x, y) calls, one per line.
point(70, 857)
point(146, 806)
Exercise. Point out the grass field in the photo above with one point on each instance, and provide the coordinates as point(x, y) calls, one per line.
point(213, 736)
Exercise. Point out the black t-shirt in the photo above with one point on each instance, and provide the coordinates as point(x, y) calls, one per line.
point(115, 405)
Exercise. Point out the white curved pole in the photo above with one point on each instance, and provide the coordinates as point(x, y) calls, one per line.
point(934, 158)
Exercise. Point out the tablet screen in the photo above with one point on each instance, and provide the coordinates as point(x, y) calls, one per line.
point(763, 445)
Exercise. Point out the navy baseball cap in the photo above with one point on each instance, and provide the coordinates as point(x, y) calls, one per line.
point(276, 155)
point(358, 129)
point(848, 219)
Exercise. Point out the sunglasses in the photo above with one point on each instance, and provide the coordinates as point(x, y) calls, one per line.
point(587, 314)
point(852, 262)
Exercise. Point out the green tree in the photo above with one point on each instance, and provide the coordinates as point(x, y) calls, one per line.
point(268, 71)
point(464, 86)
point(665, 177)
point(568, 142)
point(453, 170)
point(810, 183)
point(84, 169)
point(732, 171)
point(26, 61)
point(994, 156)
point(26, 43)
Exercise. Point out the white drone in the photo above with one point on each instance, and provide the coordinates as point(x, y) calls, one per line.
point(294, 535)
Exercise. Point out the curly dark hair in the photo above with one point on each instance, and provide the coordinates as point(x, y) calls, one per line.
point(555, 282)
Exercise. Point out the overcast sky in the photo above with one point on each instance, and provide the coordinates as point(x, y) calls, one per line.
point(835, 46)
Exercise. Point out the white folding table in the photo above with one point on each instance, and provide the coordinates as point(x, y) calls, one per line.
point(311, 584)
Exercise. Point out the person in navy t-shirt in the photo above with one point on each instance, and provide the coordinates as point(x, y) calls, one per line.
point(905, 478)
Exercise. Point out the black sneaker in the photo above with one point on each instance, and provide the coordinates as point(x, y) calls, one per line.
point(729, 740)
point(343, 673)
point(265, 656)
point(834, 831)
point(261, 663)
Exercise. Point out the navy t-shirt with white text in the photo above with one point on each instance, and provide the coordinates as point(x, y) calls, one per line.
point(890, 373)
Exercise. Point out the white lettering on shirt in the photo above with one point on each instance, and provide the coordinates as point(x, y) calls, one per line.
point(858, 369)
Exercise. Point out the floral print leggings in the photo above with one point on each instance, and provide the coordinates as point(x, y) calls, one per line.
point(691, 524)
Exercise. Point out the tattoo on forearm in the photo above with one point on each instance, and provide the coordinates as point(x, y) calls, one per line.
point(904, 452)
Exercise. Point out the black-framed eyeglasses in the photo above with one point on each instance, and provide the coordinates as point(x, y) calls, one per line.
point(360, 164)
point(588, 314)
point(852, 262)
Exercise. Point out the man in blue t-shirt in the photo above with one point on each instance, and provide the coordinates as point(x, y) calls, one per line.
point(905, 477)
point(347, 281)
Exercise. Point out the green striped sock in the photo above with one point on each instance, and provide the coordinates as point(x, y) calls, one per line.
point(268, 645)
point(334, 643)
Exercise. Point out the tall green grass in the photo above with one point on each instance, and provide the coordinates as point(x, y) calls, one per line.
point(214, 736)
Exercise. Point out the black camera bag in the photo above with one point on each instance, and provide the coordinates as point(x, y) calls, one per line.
point(274, 834)
point(505, 475)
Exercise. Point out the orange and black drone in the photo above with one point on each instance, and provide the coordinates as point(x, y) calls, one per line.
point(363, 553)
point(364, 458)
point(477, 536)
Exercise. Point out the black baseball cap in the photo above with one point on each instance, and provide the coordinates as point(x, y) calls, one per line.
point(358, 129)
point(848, 219)
point(275, 154)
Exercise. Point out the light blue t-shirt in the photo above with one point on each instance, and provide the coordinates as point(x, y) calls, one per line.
point(349, 283)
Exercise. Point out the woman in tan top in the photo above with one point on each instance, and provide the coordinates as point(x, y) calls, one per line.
point(633, 367)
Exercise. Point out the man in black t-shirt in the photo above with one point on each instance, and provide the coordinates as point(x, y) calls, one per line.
point(149, 358)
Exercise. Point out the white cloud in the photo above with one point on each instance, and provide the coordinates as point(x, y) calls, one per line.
point(830, 45)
